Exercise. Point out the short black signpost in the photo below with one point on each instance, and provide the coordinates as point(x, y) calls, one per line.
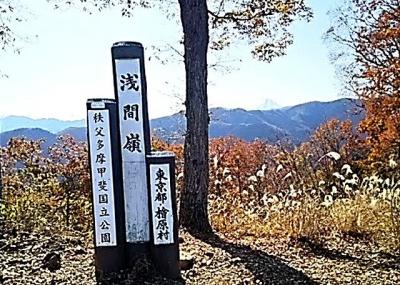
point(164, 227)
point(134, 199)
point(107, 194)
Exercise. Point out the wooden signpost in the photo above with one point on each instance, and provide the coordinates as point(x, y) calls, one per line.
point(107, 195)
point(164, 226)
point(134, 199)
point(131, 96)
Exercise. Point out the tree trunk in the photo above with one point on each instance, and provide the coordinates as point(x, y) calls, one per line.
point(193, 209)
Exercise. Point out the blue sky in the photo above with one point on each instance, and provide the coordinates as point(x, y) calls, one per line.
point(70, 61)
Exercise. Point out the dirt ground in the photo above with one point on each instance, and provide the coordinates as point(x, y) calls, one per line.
point(32, 258)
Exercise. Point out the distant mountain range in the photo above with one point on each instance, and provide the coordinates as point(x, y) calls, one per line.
point(29, 133)
point(11, 123)
point(296, 123)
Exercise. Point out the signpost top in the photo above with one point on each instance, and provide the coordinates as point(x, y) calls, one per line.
point(127, 50)
point(99, 103)
point(127, 44)
point(100, 99)
point(161, 154)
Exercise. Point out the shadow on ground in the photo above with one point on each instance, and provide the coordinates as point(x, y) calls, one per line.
point(380, 260)
point(267, 268)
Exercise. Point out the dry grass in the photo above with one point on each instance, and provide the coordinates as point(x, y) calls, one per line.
point(365, 214)
point(255, 190)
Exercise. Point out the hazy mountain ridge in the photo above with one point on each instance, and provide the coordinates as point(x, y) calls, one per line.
point(29, 133)
point(54, 126)
point(295, 123)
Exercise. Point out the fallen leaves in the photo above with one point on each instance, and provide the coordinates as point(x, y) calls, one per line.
point(207, 259)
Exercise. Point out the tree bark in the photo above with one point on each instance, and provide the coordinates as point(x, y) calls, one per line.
point(194, 197)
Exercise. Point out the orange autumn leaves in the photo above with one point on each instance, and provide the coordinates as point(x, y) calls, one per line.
point(381, 93)
point(369, 30)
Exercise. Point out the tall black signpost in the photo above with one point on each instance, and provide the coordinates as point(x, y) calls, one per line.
point(131, 96)
point(107, 194)
point(133, 190)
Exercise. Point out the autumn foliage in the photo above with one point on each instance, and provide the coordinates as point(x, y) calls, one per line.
point(46, 189)
point(380, 45)
point(318, 189)
point(368, 32)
